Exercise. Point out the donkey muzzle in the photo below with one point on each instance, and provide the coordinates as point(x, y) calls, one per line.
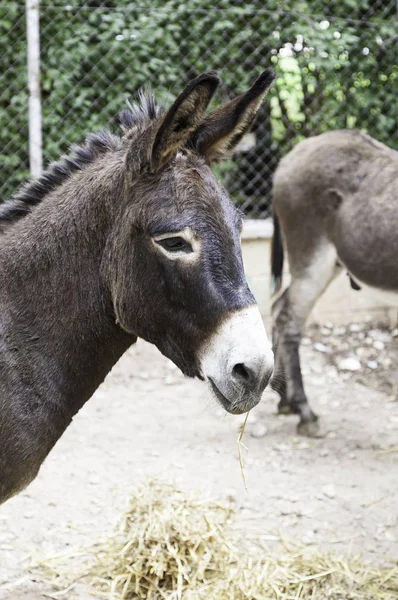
point(237, 360)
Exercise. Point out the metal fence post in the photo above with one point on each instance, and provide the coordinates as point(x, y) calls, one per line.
point(33, 50)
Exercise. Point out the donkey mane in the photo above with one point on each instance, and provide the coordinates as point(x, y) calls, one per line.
point(96, 145)
point(139, 113)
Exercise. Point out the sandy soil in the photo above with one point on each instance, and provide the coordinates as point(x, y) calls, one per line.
point(339, 492)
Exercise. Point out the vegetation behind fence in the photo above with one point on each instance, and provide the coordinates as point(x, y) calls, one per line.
point(336, 63)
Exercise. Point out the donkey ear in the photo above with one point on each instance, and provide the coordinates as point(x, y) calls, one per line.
point(182, 118)
point(220, 131)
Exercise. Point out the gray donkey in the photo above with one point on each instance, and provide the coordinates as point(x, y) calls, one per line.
point(130, 237)
point(335, 202)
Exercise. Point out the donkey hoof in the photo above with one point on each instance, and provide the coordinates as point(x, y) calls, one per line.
point(310, 429)
point(284, 408)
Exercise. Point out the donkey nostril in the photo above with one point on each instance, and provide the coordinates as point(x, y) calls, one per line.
point(242, 374)
point(251, 378)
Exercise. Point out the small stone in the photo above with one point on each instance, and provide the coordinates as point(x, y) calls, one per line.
point(354, 328)
point(258, 430)
point(381, 336)
point(324, 452)
point(339, 330)
point(306, 341)
point(349, 364)
point(372, 364)
point(394, 333)
point(321, 348)
point(362, 352)
point(378, 345)
point(329, 491)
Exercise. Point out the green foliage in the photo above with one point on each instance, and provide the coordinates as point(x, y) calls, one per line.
point(336, 64)
point(13, 99)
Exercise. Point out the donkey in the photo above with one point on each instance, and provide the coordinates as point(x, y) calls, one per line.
point(335, 203)
point(131, 237)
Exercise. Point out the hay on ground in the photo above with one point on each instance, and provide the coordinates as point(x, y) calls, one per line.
point(171, 546)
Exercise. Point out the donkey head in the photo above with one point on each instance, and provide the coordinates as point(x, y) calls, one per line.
point(175, 271)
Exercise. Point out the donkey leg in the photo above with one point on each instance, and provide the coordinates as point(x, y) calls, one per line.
point(287, 380)
point(278, 381)
point(290, 314)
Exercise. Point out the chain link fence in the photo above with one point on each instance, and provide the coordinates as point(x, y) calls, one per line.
point(336, 63)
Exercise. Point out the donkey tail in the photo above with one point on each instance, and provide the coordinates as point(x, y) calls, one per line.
point(276, 258)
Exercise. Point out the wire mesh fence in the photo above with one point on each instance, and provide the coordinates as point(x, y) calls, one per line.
point(336, 63)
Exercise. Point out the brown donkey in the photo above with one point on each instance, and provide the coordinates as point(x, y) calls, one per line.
point(335, 202)
point(131, 237)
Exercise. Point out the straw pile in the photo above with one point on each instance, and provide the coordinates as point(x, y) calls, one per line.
point(174, 547)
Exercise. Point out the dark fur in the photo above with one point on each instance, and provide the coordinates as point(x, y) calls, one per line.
point(336, 202)
point(81, 277)
point(277, 257)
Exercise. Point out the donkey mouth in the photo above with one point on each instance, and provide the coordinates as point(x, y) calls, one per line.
point(224, 401)
point(234, 409)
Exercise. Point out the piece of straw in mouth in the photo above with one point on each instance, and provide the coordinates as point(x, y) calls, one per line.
point(240, 445)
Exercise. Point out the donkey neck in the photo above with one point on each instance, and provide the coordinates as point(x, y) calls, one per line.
point(56, 310)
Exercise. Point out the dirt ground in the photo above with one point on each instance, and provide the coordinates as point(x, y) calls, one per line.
point(339, 492)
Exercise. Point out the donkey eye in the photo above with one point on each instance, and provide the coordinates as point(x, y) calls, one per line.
point(175, 244)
